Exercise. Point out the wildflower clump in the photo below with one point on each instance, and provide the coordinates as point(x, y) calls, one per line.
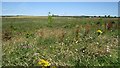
point(99, 32)
point(43, 62)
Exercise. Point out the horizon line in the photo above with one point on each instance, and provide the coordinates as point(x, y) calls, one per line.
point(52, 14)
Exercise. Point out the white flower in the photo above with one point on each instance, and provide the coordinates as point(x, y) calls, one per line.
point(76, 42)
point(76, 49)
point(97, 43)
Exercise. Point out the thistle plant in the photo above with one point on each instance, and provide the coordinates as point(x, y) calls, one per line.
point(62, 36)
point(49, 17)
point(77, 32)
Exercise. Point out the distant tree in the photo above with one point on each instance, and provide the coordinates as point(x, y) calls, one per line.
point(108, 15)
point(53, 15)
point(105, 16)
point(114, 16)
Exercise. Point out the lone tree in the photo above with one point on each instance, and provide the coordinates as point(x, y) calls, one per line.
point(49, 17)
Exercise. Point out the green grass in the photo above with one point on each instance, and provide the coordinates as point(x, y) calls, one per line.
point(26, 40)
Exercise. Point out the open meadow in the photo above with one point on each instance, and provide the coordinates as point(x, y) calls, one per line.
point(64, 41)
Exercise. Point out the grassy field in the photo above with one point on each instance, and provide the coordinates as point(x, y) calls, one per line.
point(65, 41)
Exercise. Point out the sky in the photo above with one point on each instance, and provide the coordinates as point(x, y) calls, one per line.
point(60, 8)
point(60, 0)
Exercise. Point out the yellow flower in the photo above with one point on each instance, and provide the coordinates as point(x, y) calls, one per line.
point(99, 31)
point(42, 62)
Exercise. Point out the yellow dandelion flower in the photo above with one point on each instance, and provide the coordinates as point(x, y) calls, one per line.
point(43, 62)
point(99, 31)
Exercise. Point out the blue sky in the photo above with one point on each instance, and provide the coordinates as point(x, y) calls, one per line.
point(60, 0)
point(60, 8)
